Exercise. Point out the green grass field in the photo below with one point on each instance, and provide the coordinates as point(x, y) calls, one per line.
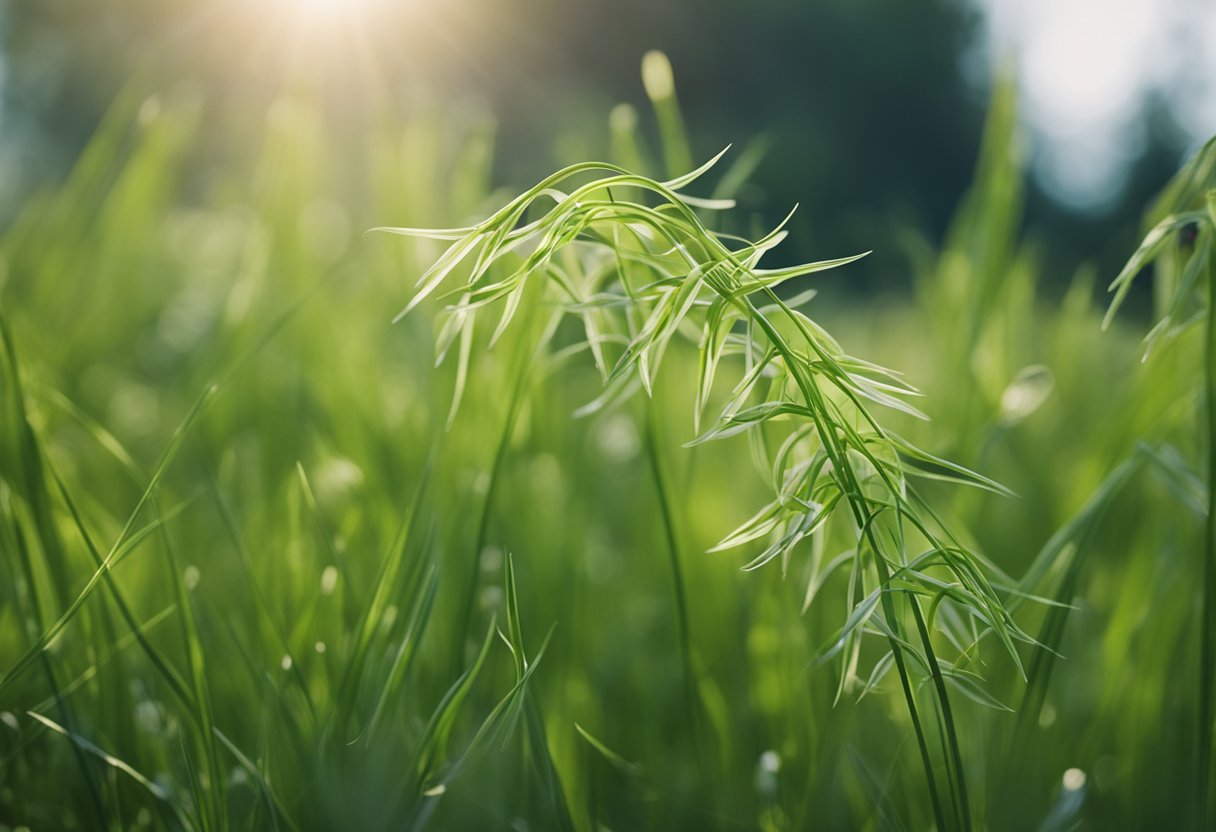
point(264, 565)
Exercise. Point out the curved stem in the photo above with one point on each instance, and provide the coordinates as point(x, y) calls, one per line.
point(861, 514)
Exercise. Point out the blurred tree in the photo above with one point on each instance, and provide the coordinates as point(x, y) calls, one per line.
point(871, 117)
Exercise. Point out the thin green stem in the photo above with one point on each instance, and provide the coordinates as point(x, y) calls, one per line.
point(861, 515)
point(964, 805)
point(1207, 643)
point(677, 575)
point(487, 507)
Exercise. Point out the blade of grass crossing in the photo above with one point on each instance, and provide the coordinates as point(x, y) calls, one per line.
point(116, 549)
point(159, 793)
point(90, 779)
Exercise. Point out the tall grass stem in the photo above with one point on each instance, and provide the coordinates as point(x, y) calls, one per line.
point(1207, 640)
point(688, 681)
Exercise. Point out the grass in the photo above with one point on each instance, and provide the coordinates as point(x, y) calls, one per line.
point(1189, 203)
point(263, 565)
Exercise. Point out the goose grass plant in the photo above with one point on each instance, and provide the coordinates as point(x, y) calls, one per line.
point(629, 257)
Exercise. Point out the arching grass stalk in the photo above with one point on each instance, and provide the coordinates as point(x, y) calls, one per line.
point(1181, 245)
point(637, 273)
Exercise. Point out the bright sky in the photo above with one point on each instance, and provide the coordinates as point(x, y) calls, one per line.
point(1084, 68)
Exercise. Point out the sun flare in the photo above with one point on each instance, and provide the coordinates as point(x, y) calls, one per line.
point(330, 6)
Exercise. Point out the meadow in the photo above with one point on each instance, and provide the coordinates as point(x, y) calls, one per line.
point(615, 527)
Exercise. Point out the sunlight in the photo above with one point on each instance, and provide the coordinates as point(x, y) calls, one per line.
point(322, 12)
point(330, 7)
point(328, 41)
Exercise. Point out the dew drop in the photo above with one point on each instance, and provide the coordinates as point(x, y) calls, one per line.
point(1074, 780)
